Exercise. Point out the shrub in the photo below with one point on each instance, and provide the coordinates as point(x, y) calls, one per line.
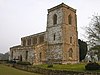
point(92, 66)
point(50, 65)
point(23, 63)
point(11, 62)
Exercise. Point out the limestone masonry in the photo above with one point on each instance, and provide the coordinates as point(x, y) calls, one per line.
point(59, 43)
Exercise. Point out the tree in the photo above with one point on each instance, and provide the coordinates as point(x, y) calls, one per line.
point(93, 34)
point(4, 56)
point(82, 49)
point(93, 31)
point(97, 50)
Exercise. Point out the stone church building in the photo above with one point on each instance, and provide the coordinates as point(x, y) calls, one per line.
point(59, 43)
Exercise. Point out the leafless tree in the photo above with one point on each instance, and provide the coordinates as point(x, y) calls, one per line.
point(93, 31)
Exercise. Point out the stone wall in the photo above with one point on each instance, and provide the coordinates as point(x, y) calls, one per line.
point(54, 72)
point(32, 49)
point(22, 54)
point(40, 53)
point(33, 54)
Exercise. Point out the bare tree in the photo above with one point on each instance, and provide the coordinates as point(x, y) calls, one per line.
point(93, 31)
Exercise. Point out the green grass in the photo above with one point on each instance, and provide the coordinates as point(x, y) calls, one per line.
point(69, 67)
point(5, 70)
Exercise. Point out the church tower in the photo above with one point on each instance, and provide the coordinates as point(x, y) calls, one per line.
point(62, 35)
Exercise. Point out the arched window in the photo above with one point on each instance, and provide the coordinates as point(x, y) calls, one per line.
point(20, 58)
point(24, 42)
point(40, 55)
point(54, 37)
point(70, 19)
point(70, 39)
point(70, 53)
point(34, 40)
point(26, 55)
point(54, 19)
point(41, 39)
point(29, 41)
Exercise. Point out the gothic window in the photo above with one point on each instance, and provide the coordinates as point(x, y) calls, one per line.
point(54, 19)
point(70, 53)
point(40, 55)
point(12, 54)
point(29, 41)
point(70, 19)
point(20, 58)
point(70, 39)
point(54, 37)
point(24, 42)
point(41, 39)
point(26, 55)
point(34, 40)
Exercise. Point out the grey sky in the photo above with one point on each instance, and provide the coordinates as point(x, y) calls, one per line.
point(20, 18)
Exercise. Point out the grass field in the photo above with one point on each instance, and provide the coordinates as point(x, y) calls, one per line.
point(5, 70)
point(69, 67)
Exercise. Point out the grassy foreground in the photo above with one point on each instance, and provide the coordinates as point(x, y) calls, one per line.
point(68, 67)
point(5, 70)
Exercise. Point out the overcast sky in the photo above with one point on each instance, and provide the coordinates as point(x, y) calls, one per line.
point(19, 18)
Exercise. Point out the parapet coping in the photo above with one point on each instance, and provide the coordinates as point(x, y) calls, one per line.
point(61, 5)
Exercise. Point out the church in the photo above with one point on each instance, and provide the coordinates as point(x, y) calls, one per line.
point(59, 43)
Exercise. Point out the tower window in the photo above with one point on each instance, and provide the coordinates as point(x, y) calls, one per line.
point(70, 53)
point(70, 19)
point(54, 37)
point(55, 19)
point(70, 39)
point(40, 55)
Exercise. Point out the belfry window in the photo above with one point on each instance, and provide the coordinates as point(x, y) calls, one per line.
point(54, 19)
point(70, 19)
